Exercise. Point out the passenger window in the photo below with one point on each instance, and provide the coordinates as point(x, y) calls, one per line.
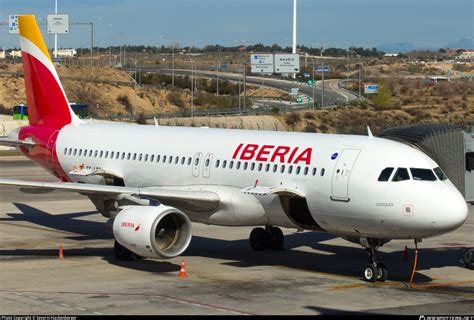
point(96, 153)
point(207, 163)
point(171, 159)
point(123, 155)
point(314, 171)
point(238, 165)
point(196, 162)
point(65, 150)
point(146, 158)
point(106, 154)
point(217, 163)
point(246, 165)
point(158, 158)
point(140, 157)
point(183, 160)
point(469, 163)
point(252, 166)
point(231, 164)
point(275, 168)
point(117, 155)
point(260, 167)
point(189, 161)
point(306, 169)
point(134, 156)
point(75, 151)
point(385, 174)
point(112, 155)
point(90, 153)
point(128, 156)
point(267, 167)
point(401, 175)
point(164, 159)
point(322, 172)
point(440, 174)
point(298, 169)
point(176, 160)
point(282, 169)
point(422, 174)
point(224, 163)
point(80, 152)
point(290, 169)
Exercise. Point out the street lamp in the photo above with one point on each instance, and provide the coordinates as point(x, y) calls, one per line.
point(172, 60)
point(192, 86)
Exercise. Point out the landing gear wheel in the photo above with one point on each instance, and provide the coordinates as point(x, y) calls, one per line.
point(276, 239)
point(382, 272)
point(258, 239)
point(371, 273)
point(122, 253)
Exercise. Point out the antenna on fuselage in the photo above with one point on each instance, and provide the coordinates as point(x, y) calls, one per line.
point(369, 133)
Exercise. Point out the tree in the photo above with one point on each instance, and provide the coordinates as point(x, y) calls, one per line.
point(381, 100)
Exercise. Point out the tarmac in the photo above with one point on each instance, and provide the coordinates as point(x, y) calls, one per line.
point(316, 273)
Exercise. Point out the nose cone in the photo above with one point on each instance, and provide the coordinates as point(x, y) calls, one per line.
point(452, 212)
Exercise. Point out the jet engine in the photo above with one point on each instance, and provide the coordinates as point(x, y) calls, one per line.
point(153, 231)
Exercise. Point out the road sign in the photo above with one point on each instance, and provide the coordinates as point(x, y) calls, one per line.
point(307, 74)
point(58, 23)
point(371, 88)
point(311, 82)
point(299, 100)
point(320, 69)
point(294, 91)
point(287, 63)
point(12, 23)
point(261, 63)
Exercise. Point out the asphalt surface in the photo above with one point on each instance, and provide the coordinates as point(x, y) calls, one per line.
point(316, 273)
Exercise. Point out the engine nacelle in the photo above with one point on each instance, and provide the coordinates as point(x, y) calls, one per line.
point(153, 231)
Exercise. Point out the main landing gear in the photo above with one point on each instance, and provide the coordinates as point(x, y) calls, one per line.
point(375, 271)
point(122, 253)
point(268, 238)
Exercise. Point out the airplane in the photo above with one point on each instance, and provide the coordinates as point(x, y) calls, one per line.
point(152, 181)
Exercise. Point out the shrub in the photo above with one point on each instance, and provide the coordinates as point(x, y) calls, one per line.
point(292, 120)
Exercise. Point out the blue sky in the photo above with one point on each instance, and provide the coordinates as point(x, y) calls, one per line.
point(367, 23)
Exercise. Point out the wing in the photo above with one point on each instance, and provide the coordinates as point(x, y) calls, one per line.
point(16, 143)
point(199, 200)
point(263, 191)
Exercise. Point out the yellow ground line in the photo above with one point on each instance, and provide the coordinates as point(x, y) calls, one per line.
point(441, 284)
point(448, 292)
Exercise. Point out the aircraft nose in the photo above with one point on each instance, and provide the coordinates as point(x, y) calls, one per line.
point(452, 212)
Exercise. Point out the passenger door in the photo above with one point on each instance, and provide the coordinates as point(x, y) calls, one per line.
point(342, 173)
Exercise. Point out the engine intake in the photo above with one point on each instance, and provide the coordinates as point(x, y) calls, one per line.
point(153, 231)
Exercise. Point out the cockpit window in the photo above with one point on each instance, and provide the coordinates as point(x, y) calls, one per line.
point(440, 174)
point(422, 174)
point(385, 174)
point(401, 175)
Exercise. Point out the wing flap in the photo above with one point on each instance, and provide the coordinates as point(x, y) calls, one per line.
point(263, 191)
point(201, 199)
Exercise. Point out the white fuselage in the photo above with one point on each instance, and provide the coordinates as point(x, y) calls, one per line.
point(337, 174)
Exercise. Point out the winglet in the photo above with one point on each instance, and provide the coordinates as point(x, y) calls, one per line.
point(369, 133)
point(47, 102)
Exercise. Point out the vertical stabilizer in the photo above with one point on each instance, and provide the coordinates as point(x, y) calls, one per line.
point(47, 103)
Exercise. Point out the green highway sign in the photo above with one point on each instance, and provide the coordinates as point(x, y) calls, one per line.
point(299, 100)
point(311, 82)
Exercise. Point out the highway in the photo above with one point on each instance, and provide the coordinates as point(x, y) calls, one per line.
point(332, 95)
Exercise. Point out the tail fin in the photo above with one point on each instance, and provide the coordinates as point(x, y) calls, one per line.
point(45, 97)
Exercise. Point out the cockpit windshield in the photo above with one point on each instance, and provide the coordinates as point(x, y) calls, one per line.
point(422, 174)
point(440, 174)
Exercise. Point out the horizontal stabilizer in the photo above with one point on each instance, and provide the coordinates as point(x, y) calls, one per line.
point(16, 143)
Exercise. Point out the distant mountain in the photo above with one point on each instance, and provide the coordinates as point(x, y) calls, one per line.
point(464, 43)
point(396, 47)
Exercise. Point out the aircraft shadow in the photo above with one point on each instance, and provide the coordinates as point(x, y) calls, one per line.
point(326, 258)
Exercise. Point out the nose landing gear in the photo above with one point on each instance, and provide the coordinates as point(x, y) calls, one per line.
point(268, 238)
point(375, 271)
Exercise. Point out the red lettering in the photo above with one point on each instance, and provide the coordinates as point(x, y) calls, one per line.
point(304, 156)
point(249, 152)
point(264, 152)
point(237, 151)
point(292, 154)
point(281, 153)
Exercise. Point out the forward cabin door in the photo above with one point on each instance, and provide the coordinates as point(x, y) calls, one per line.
point(342, 173)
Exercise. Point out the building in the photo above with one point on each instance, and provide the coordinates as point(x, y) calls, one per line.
point(15, 54)
point(467, 56)
point(3, 54)
point(391, 55)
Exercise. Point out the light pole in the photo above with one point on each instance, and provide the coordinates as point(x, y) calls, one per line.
point(312, 72)
point(322, 79)
point(192, 86)
point(172, 60)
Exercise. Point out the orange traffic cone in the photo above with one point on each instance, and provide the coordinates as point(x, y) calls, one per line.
point(61, 256)
point(182, 272)
point(405, 255)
